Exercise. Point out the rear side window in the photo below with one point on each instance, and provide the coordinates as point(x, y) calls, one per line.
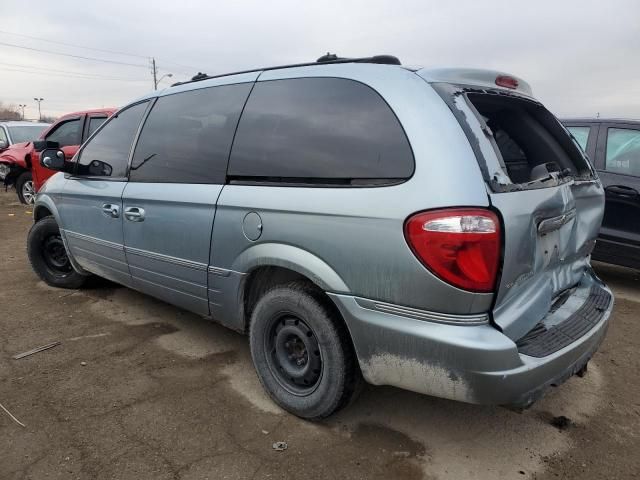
point(187, 136)
point(581, 134)
point(94, 124)
point(623, 151)
point(107, 154)
point(316, 130)
point(67, 133)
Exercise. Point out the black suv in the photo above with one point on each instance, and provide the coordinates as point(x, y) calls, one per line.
point(614, 148)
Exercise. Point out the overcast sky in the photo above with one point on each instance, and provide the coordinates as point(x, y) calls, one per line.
point(580, 57)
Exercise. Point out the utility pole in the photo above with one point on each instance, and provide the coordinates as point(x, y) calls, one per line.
point(39, 111)
point(154, 71)
point(22, 106)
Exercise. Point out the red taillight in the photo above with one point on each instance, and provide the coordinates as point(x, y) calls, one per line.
point(507, 81)
point(459, 245)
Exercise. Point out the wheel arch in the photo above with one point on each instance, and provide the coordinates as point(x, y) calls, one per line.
point(292, 258)
point(45, 207)
point(270, 264)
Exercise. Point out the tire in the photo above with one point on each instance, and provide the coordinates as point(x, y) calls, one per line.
point(302, 351)
point(49, 258)
point(25, 189)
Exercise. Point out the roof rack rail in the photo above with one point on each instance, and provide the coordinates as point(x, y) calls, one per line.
point(329, 58)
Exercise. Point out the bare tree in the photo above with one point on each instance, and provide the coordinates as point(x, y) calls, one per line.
point(9, 112)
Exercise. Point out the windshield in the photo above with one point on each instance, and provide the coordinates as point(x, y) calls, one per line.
point(25, 133)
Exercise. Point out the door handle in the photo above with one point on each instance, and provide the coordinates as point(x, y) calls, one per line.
point(111, 210)
point(621, 191)
point(134, 214)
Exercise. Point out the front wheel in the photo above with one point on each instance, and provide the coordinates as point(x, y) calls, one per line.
point(49, 258)
point(302, 352)
point(25, 188)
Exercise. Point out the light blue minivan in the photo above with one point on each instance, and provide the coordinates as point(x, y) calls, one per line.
point(424, 228)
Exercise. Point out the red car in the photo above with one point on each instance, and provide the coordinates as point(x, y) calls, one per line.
point(19, 165)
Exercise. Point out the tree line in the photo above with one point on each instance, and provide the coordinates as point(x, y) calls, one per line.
point(9, 112)
point(12, 112)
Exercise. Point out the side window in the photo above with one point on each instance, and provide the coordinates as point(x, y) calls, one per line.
point(107, 154)
point(187, 136)
point(315, 129)
point(3, 136)
point(623, 151)
point(94, 123)
point(67, 133)
point(581, 134)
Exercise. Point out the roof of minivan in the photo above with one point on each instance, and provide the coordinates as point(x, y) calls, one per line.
point(459, 76)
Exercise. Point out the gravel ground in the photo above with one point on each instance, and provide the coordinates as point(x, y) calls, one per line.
point(139, 389)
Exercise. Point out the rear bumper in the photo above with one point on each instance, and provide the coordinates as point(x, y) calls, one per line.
point(474, 364)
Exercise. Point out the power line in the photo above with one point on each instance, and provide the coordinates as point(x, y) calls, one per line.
point(73, 56)
point(71, 76)
point(75, 46)
point(99, 49)
point(66, 72)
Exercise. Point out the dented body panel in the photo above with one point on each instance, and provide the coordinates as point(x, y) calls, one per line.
point(540, 262)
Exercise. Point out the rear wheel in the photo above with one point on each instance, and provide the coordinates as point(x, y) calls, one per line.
point(25, 189)
point(48, 256)
point(302, 352)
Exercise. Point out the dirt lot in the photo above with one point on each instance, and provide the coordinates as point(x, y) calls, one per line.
point(141, 390)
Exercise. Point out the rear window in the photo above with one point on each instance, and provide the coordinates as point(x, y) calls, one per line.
point(519, 144)
point(94, 124)
point(529, 139)
point(319, 130)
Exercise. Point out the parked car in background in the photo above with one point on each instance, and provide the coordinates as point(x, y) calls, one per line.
point(423, 228)
point(613, 145)
point(68, 132)
point(12, 132)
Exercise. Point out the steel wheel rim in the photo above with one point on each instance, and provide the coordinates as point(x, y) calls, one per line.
point(28, 192)
point(293, 354)
point(55, 255)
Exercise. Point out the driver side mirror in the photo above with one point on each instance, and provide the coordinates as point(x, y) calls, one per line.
point(40, 145)
point(53, 159)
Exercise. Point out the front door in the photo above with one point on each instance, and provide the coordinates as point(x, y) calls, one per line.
point(177, 173)
point(91, 200)
point(619, 168)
